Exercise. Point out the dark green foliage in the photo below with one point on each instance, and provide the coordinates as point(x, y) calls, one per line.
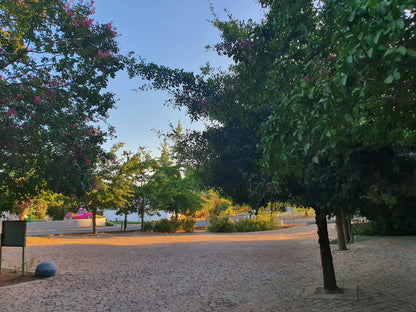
point(58, 212)
point(388, 189)
point(166, 226)
point(147, 226)
point(363, 228)
point(218, 224)
point(188, 225)
point(262, 222)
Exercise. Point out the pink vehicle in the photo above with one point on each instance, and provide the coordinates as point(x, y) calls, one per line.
point(81, 214)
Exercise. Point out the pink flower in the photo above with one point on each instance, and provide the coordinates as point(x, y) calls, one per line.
point(204, 102)
point(11, 112)
point(37, 99)
point(306, 78)
point(17, 96)
point(131, 53)
point(74, 161)
point(250, 58)
point(87, 22)
point(104, 54)
point(331, 58)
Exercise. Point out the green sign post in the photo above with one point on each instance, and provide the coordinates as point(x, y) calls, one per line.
point(14, 235)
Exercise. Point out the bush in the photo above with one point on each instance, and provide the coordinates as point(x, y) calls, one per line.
point(58, 212)
point(214, 204)
point(261, 222)
point(364, 228)
point(108, 223)
point(148, 226)
point(166, 226)
point(247, 225)
point(221, 225)
point(188, 225)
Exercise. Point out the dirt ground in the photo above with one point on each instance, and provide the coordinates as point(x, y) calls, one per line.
point(11, 277)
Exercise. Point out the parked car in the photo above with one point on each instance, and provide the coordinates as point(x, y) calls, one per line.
point(80, 214)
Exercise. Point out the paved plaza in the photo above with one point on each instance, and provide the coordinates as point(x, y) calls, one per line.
point(262, 271)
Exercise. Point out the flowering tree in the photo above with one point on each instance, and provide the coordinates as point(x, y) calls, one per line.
point(334, 79)
point(55, 62)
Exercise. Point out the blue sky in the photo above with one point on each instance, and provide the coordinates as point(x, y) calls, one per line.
point(173, 33)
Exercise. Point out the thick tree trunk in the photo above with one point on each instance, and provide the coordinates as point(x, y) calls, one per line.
point(330, 283)
point(339, 221)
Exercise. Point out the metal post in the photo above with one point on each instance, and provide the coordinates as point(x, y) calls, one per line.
point(23, 261)
point(0, 259)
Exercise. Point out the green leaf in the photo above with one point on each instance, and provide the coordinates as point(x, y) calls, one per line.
point(399, 23)
point(411, 52)
point(396, 74)
point(348, 118)
point(315, 159)
point(401, 50)
point(349, 59)
point(344, 79)
point(370, 52)
point(351, 17)
point(377, 37)
point(389, 79)
point(390, 51)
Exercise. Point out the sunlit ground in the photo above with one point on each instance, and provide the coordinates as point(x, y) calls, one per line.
point(137, 239)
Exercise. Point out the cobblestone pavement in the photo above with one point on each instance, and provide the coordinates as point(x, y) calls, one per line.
point(266, 271)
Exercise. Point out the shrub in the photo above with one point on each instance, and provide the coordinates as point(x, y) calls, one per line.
point(304, 211)
point(224, 224)
point(108, 223)
point(364, 228)
point(148, 226)
point(262, 222)
point(166, 226)
point(246, 225)
point(58, 212)
point(188, 225)
point(214, 204)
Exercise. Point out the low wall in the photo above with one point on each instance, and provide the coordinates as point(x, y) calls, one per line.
point(64, 224)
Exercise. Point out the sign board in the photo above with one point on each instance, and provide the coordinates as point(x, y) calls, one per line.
point(13, 234)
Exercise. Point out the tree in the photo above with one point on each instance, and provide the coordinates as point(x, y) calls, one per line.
point(142, 190)
point(172, 185)
point(333, 78)
point(55, 62)
point(346, 99)
point(114, 182)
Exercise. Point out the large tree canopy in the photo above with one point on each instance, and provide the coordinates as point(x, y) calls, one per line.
point(334, 78)
point(55, 62)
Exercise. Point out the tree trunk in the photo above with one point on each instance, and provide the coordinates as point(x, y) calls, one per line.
point(142, 217)
point(339, 221)
point(330, 283)
point(347, 229)
point(125, 222)
point(94, 220)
